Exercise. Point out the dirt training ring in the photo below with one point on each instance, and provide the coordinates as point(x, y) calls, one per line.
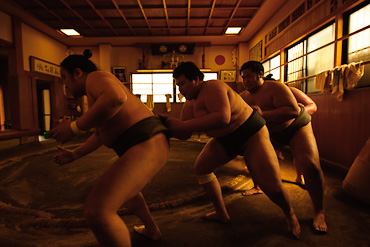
point(45, 218)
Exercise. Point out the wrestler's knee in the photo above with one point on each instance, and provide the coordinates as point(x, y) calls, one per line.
point(206, 178)
point(201, 168)
point(95, 213)
point(271, 189)
point(309, 166)
point(136, 203)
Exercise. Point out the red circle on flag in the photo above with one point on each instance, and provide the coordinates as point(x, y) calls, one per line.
point(220, 60)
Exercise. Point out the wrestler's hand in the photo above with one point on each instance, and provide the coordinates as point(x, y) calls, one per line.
point(177, 129)
point(163, 118)
point(258, 109)
point(63, 132)
point(64, 157)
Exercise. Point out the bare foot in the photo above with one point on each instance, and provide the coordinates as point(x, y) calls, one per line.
point(300, 179)
point(215, 217)
point(319, 224)
point(155, 235)
point(253, 191)
point(293, 226)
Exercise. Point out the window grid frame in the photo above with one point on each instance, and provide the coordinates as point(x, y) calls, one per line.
point(302, 85)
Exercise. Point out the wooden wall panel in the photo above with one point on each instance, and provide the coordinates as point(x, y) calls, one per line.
point(342, 128)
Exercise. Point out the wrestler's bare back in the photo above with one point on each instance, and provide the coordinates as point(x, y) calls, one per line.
point(277, 103)
point(131, 111)
point(217, 92)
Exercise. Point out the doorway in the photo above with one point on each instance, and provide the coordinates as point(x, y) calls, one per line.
point(4, 71)
point(44, 107)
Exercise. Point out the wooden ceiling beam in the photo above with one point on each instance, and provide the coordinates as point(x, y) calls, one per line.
point(165, 11)
point(102, 17)
point(179, 27)
point(169, 7)
point(79, 16)
point(143, 12)
point(139, 18)
point(123, 17)
point(163, 18)
point(68, 25)
point(188, 19)
point(210, 16)
point(232, 15)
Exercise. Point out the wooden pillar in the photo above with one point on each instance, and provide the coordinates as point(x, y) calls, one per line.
point(282, 68)
point(19, 84)
point(105, 51)
point(338, 35)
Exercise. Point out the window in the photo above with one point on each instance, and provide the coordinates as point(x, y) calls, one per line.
point(272, 66)
point(322, 59)
point(142, 85)
point(301, 64)
point(162, 85)
point(46, 114)
point(358, 45)
point(297, 62)
point(158, 85)
point(210, 76)
point(357, 21)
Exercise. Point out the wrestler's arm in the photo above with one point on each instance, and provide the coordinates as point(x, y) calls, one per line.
point(108, 99)
point(247, 97)
point(175, 125)
point(90, 145)
point(217, 104)
point(66, 156)
point(285, 106)
point(307, 102)
point(187, 113)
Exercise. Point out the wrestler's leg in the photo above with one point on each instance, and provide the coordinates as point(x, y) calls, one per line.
point(263, 164)
point(213, 156)
point(138, 206)
point(278, 147)
point(300, 178)
point(256, 189)
point(253, 191)
point(121, 183)
point(306, 155)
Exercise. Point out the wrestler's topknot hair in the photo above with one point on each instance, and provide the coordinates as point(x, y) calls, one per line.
point(189, 70)
point(82, 62)
point(255, 66)
point(269, 77)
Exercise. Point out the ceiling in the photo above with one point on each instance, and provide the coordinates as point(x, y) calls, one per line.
point(138, 21)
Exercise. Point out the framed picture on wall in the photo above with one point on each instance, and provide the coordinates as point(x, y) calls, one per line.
point(255, 53)
point(228, 75)
point(120, 73)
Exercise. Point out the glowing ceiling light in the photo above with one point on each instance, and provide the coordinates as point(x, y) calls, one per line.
point(70, 32)
point(233, 30)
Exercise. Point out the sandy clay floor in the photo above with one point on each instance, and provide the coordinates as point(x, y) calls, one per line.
point(41, 203)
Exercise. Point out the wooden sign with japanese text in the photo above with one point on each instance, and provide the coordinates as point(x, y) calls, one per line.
point(42, 66)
